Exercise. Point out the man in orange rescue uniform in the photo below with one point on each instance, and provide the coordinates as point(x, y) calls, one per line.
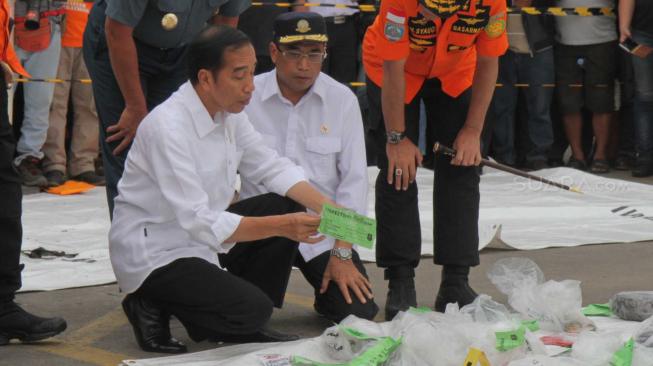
point(445, 53)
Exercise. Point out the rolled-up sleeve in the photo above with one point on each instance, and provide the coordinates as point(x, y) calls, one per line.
point(234, 8)
point(173, 167)
point(127, 12)
point(261, 164)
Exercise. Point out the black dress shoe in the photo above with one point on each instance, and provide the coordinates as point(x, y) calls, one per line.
point(401, 296)
point(459, 293)
point(265, 335)
point(151, 326)
point(16, 323)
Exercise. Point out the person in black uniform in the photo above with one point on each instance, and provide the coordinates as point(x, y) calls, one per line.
point(15, 323)
point(135, 53)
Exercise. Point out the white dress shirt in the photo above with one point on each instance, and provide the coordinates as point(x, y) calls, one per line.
point(322, 133)
point(179, 179)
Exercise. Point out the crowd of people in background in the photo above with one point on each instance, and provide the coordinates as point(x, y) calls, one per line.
point(601, 105)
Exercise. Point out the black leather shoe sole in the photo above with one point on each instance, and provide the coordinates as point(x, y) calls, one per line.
point(25, 337)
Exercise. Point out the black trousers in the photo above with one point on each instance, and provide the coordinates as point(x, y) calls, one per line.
point(210, 301)
point(342, 51)
point(161, 73)
point(331, 303)
point(455, 192)
point(11, 230)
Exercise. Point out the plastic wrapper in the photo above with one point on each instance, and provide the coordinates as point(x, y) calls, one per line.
point(644, 335)
point(633, 305)
point(555, 304)
point(486, 310)
point(597, 349)
point(546, 361)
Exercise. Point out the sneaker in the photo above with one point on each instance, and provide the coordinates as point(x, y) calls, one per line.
point(16, 323)
point(90, 177)
point(623, 162)
point(30, 170)
point(55, 178)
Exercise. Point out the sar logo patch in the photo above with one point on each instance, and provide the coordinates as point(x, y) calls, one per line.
point(393, 31)
point(496, 26)
point(394, 25)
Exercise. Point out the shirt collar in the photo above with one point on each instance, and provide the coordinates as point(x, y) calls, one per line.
point(271, 87)
point(203, 122)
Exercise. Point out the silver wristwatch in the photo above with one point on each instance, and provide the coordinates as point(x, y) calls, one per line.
point(394, 137)
point(342, 253)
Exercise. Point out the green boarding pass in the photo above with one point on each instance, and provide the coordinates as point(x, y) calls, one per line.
point(348, 226)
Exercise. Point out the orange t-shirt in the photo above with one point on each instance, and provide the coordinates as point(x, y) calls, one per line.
point(76, 17)
point(447, 50)
point(7, 53)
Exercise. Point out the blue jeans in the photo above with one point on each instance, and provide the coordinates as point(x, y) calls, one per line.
point(522, 68)
point(643, 103)
point(38, 96)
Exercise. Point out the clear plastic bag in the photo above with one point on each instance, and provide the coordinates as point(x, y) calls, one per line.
point(486, 310)
point(555, 304)
point(644, 334)
point(597, 349)
point(633, 305)
point(546, 361)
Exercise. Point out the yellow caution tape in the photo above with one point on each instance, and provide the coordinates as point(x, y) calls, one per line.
point(476, 357)
point(355, 84)
point(555, 11)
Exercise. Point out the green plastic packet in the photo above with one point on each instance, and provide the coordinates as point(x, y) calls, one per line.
point(376, 355)
point(532, 325)
point(624, 356)
point(510, 339)
point(420, 310)
point(597, 310)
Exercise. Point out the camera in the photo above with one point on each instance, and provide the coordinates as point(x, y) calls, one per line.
point(33, 15)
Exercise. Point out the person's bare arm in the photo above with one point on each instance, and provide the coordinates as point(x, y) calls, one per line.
point(626, 11)
point(124, 61)
point(300, 227)
point(403, 157)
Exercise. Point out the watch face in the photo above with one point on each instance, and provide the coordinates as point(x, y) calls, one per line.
point(344, 253)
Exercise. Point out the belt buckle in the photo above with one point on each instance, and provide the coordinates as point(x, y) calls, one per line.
point(339, 19)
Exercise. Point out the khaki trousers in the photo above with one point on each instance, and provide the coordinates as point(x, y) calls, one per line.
point(84, 145)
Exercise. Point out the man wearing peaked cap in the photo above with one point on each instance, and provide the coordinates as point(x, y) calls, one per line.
point(297, 27)
point(315, 121)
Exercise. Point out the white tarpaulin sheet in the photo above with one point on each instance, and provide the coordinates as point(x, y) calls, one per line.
point(514, 213)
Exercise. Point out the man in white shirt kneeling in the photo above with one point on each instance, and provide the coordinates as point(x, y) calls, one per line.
point(175, 229)
point(313, 120)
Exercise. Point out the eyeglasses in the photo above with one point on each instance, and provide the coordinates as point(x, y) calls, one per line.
point(313, 57)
